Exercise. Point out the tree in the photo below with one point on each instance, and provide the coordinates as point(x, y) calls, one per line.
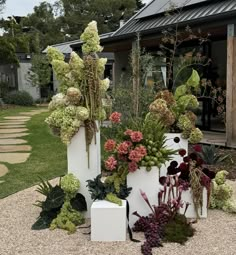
point(78, 13)
point(2, 5)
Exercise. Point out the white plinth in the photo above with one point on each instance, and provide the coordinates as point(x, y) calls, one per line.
point(170, 144)
point(78, 162)
point(191, 213)
point(108, 221)
point(148, 182)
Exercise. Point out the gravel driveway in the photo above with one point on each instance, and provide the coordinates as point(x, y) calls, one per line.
point(215, 235)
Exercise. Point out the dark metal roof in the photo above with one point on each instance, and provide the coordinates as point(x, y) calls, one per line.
point(206, 10)
point(161, 6)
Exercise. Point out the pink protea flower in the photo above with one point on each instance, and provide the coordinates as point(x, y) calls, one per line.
point(128, 132)
point(136, 136)
point(134, 155)
point(110, 163)
point(110, 145)
point(132, 166)
point(142, 150)
point(115, 117)
point(123, 148)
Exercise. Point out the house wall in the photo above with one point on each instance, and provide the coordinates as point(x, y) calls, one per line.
point(121, 67)
point(23, 82)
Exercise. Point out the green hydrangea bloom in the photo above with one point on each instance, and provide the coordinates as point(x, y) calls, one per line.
point(82, 113)
point(76, 64)
point(90, 38)
point(195, 136)
point(229, 206)
point(71, 110)
point(54, 54)
point(101, 63)
point(70, 184)
point(184, 123)
point(104, 85)
point(73, 96)
point(220, 177)
point(56, 118)
point(57, 101)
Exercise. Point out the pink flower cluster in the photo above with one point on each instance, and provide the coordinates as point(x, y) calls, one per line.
point(123, 148)
point(111, 163)
point(115, 117)
point(135, 136)
point(110, 145)
point(137, 154)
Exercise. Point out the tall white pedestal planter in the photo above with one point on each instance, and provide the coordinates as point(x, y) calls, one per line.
point(171, 144)
point(146, 181)
point(78, 164)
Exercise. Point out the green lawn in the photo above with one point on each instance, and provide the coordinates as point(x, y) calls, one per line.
point(47, 159)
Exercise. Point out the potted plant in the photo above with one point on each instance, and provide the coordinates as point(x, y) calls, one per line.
point(174, 111)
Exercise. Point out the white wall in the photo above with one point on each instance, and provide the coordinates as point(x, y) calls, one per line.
point(24, 83)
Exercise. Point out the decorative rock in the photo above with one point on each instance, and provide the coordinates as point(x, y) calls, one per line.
point(14, 158)
point(146, 181)
point(3, 170)
point(13, 130)
point(12, 148)
point(108, 221)
point(12, 141)
point(13, 135)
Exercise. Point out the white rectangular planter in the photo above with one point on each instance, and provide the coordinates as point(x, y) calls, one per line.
point(77, 158)
point(170, 144)
point(191, 213)
point(108, 221)
point(146, 181)
point(187, 197)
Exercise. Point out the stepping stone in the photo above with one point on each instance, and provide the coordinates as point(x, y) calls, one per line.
point(13, 126)
point(17, 118)
point(13, 135)
point(13, 130)
point(13, 148)
point(14, 158)
point(12, 123)
point(2, 182)
point(12, 141)
point(3, 170)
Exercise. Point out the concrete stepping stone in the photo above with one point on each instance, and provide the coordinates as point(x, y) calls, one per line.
point(3, 136)
point(13, 148)
point(3, 170)
point(12, 126)
point(17, 118)
point(13, 130)
point(12, 123)
point(2, 181)
point(14, 158)
point(12, 141)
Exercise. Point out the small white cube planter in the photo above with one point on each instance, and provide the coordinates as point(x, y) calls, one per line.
point(146, 181)
point(171, 144)
point(77, 158)
point(187, 197)
point(108, 221)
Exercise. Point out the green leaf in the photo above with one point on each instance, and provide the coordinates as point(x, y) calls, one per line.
point(79, 203)
point(42, 223)
point(194, 80)
point(54, 199)
point(180, 91)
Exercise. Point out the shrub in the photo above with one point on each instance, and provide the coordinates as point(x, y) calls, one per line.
point(4, 89)
point(19, 98)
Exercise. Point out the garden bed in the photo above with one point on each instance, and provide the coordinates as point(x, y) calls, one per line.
point(215, 235)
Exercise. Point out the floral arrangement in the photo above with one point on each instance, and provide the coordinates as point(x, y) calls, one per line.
point(221, 196)
point(143, 147)
point(62, 207)
point(79, 102)
point(192, 174)
point(174, 110)
point(164, 220)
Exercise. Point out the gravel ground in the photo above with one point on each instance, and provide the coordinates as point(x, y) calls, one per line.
point(215, 235)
